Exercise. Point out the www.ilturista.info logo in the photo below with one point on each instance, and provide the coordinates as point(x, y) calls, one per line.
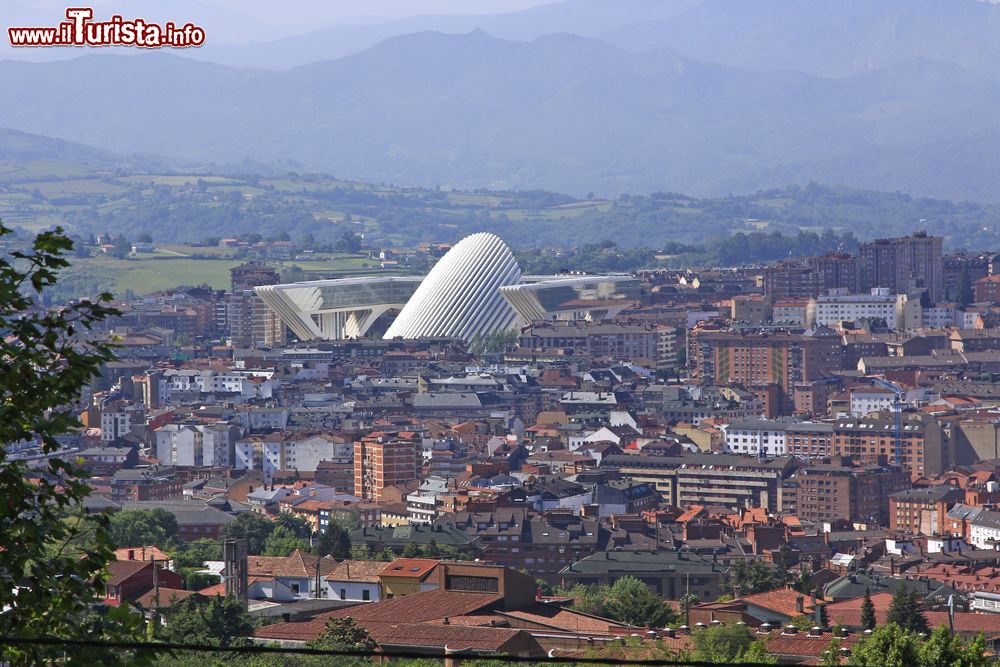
point(81, 30)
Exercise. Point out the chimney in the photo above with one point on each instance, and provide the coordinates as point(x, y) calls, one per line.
point(800, 604)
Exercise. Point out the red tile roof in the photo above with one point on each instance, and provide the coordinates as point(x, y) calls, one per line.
point(410, 567)
point(419, 607)
point(403, 634)
point(783, 601)
point(296, 564)
point(167, 598)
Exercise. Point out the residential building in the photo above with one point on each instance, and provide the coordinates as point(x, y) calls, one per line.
point(903, 264)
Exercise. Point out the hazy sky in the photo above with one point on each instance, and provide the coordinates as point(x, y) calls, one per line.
point(255, 20)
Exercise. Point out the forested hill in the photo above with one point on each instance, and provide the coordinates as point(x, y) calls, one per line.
point(180, 208)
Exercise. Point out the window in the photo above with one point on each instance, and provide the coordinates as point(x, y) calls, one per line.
point(366, 595)
point(343, 593)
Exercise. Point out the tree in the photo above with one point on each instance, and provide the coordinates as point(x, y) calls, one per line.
point(944, 650)
point(216, 621)
point(749, 577)
point(251, 527)
point(729, 644)
point(965, 292)
point(140, 528)
point(47, 358)
point(803, 583)
point(145, 238)
point(343, 634)
point(868, 620)
point(630, 601)
point(122, 247)
point(905, 610)
point(282, 542)
point(348, 242)
point(888, 646)
point(298, 525)
point(334, 541)
point(590, 599)
point(412, 550)
point(194, 554)
point(893, 646)
point(361, 552)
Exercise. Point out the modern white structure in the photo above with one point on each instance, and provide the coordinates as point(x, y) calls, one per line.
point(577, 298)
point(337, 309)
point(460, 297)
point(474, 290)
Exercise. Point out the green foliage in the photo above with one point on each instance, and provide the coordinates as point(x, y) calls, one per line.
point(296, 524)
point(630, 601)
point(194, 554)
point(729, 644)
point(943, 650)
point(749, 577)
point(831, 656)
point(140, 528)
point(868, 619)
point(251, 527)
point(282, 541)
point(51, 569)
point(216, 621)
point(343, 634)
point(803, 583)
point(334, 541)
point(965, 295)
point(888, 646)
point(194, 580)
point(905, 610)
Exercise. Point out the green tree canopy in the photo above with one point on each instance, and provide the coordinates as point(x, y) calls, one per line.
point(140, 528)
point(894, 646)
point(906, 611)
point(630, 601)
point(282, 541)
point(216, 621)
point(50, 575)
point(334, 541)
point(343, 634)
point(728, 645)
point(251, 527)
point(868, 620)
point(749, 577)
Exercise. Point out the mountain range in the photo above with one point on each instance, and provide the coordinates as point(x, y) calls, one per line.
point(707, 97)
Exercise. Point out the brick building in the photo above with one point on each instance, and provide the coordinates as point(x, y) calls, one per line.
point(382, 460)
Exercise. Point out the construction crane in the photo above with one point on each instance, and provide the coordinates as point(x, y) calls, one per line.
point(897, 409)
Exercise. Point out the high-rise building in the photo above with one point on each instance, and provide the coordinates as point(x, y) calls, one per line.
point(250, 321)
point(759, 360)
point(872, 439)
point(836, 270)
point(836, 490)
point(904, 264)
point(382, 460)
point(788, 279)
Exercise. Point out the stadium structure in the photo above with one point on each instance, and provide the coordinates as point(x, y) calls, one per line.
point(476, 289)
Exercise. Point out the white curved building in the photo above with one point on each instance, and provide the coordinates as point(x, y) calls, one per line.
point(590, 298)
point(460, 297)
point(336, 309)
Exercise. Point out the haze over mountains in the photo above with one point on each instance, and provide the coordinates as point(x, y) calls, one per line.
point(707, 97)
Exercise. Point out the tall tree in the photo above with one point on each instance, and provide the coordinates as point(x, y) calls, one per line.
point(630, 601)
point(141, 528)
point(966, 295)
point(905, 610)
point(868, 620)
point(334, 541)
point(215, 622)
point(47, 358)
point(282, 541)
point(251, 527)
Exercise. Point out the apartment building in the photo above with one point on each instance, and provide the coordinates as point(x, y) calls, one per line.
point(872, 439)
point(382, 460)
point(903, 264)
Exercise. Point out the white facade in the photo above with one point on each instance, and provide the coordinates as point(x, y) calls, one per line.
point(749, 437)
point(984, 530)
point(865, 401)
point(196, 444)
point(422, 507)
point(829, 310)
point(460, 297)
point(354, 591)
